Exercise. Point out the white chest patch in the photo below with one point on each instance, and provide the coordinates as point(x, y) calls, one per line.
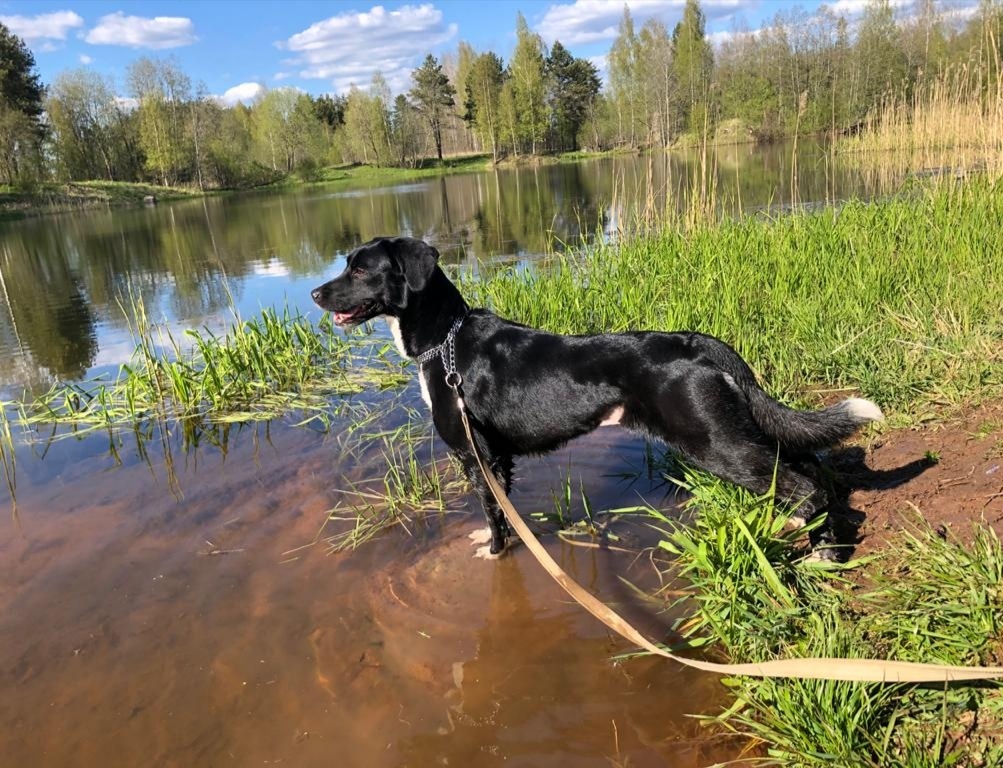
point(395, 331)
point(424, 389)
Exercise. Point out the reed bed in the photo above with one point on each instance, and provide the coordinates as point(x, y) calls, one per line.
point(952, 123)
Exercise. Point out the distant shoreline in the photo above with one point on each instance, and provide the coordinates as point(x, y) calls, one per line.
point(61, 197)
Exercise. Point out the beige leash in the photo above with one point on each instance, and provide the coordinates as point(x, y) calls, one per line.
point(862, 670)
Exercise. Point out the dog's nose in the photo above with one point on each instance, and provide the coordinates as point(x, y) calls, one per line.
point(315, 293)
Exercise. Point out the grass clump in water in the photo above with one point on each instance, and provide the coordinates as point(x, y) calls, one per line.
point(416, 483)
point(259, 370)
point(930, 599)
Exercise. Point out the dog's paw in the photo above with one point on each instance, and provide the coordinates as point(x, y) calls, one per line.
point(484, 553)
point(480, 536)
point(795, 523)
point(822, 554)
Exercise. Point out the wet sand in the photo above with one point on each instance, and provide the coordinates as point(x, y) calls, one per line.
point(143, 629)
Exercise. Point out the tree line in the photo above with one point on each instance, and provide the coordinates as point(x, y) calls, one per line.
point(802, 73)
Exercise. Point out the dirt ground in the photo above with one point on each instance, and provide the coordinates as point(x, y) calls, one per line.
point(950, 472)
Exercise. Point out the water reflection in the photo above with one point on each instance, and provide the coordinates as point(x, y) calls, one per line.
point(63, 277)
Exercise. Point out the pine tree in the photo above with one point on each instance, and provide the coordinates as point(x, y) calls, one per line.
point(693, 62)
point(574, 85)
point(21, 93)
point(433, 97)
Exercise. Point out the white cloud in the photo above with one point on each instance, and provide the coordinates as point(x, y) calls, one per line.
point(140, 32)
point(590, 21)
point(45, 26)
point(126, 103)
point(349, 48)
point(855, 7)
point(245, 92)
point(85, 59)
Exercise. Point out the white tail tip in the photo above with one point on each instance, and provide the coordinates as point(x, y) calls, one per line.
point(863, 410)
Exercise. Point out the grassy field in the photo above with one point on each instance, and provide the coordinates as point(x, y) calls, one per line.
point(369, 175)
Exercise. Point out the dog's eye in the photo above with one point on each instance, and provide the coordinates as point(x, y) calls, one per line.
point(359, 272)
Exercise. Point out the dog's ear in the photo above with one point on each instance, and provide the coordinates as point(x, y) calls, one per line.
point(417, 260)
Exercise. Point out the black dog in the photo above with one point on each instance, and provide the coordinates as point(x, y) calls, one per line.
point(529, 391)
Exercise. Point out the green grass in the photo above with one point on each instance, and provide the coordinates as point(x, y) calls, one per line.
point(369, 175)
point(416, 483)
point(897, 299)
point(76, 195)
point(262, 368)
point(754, 597)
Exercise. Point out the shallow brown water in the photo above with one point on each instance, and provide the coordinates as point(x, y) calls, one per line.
point(124, 642)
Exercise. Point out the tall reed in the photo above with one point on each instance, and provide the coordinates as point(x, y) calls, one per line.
point(952, 121)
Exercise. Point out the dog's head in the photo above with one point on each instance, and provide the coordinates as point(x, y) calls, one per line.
point(378, 279)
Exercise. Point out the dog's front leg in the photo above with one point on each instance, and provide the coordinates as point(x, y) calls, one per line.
point(497, 525)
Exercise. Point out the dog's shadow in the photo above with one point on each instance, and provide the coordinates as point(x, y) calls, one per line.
point(844, 471)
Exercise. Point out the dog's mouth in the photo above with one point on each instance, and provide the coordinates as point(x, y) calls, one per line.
point(355, 316)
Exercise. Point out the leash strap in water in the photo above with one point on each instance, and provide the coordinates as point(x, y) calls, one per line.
point(861, 670)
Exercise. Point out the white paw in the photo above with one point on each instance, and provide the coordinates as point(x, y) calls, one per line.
point(480, 536)
point(484, 553)
point(796, 523)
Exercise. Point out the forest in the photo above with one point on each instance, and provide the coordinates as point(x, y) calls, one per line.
point(804, 73)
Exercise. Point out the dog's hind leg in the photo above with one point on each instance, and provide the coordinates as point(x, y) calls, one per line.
point(720, 435)
point(758, 469)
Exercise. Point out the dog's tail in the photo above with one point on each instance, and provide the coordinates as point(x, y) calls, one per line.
point(810, 430)
point(794, 429)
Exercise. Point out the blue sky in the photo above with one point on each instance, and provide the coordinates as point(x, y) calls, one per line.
point(237, 47)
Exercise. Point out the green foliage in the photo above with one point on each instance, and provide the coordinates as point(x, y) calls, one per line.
point(285, 129)
point(883, 63)
point(433, 97)
point(692, 64)
point(261, 369)
point(527, 77)
point(801, 73)
point(21, 128)
point(929, 599)
point(163, 92)
point(574, 86)
point(89, 132)
point(624, 86)
point(483, 99)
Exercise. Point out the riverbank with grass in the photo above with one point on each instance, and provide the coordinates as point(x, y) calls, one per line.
point(371, 175)
point(54, 197)
point(80, 195)
point(897, 300)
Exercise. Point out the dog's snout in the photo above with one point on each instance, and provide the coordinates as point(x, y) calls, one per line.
point(316, 293)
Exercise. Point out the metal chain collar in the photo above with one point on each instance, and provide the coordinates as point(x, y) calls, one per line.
point(446, 351)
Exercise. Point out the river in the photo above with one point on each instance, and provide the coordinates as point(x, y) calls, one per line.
point(166, 604)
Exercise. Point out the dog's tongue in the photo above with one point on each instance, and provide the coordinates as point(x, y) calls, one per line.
point(341, 317)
